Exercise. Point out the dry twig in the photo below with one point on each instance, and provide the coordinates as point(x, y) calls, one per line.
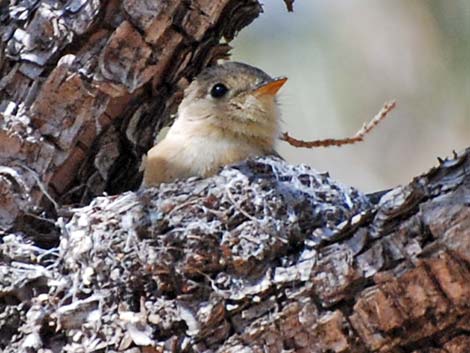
point(359, 136)
point(289, 5)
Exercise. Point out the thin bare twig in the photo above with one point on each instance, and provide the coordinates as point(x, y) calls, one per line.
point(238, 206)
point(359, 136)
point(289, 5)
point(41, 185)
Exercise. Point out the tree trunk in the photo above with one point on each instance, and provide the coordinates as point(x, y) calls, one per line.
point(263, 257)
point(85, 85)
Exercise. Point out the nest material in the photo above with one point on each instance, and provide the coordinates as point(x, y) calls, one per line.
point(184, 266)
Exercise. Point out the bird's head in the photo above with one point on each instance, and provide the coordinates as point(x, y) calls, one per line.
point(236, 97)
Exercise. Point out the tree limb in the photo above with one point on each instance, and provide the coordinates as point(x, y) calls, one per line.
point(261, 257)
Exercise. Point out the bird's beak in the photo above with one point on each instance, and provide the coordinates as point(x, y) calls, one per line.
point(271, 87)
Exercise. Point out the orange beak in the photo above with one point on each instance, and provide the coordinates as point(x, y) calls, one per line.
point(271, 87)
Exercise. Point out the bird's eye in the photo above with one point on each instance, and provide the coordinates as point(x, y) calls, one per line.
point(218, 90)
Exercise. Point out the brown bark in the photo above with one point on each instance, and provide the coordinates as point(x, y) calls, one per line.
point(85, 85)
point(263, 257)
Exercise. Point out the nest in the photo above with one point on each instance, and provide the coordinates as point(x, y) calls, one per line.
point(182, 267)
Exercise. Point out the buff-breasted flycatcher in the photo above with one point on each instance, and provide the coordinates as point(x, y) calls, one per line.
point(229, 113)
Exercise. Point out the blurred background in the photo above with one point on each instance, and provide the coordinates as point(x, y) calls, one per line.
point(344, 59)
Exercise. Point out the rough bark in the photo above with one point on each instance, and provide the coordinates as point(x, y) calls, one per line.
point(263, 257)
point(85, 84)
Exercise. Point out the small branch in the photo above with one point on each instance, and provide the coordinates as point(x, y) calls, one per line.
point(359, 136)
point(289, 5)
point(40, 184)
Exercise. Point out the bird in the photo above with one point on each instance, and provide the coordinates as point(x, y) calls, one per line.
point(229, 113)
